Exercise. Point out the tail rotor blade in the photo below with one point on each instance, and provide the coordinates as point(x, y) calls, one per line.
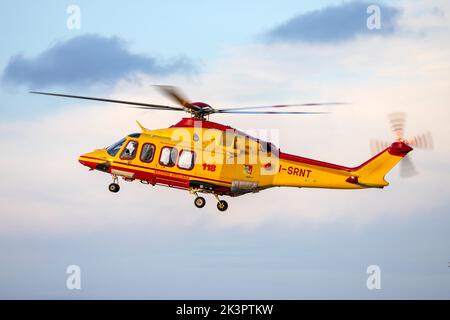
point(407, 168)
point(397, 121)
point(422, 141)
point(376, 146)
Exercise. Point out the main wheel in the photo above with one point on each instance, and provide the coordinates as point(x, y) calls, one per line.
point(114, 187)
point(222, 205)
point(199, 202)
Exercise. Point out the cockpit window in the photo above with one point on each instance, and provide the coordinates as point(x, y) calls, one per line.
point(114, 148)
point(129, 152)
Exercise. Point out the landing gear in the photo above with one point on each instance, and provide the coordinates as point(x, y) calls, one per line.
point(222, 205)
point(199, 202)
point(114, 187)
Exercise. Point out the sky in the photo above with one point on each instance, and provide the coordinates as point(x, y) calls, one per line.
point(152, 243)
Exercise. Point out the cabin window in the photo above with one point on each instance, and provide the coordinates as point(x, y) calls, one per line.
point(186, 160)
point(147, 153)
point(129, 152)
point(168, 156)
point(114, 148)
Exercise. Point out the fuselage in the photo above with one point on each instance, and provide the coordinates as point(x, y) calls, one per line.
point(203, 156)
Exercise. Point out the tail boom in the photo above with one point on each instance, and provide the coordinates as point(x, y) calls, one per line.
point(295, 171)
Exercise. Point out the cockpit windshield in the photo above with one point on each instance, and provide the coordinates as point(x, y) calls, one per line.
point(114, 148)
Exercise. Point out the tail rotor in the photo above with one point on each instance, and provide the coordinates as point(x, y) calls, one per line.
point(423, 141)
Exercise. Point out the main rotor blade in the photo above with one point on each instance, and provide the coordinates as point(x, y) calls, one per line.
point(407, 168)
point(175, 94)
point(268, 112)
point(397, 121)
point(312, 104)
point(156, 108)
point(147, 105)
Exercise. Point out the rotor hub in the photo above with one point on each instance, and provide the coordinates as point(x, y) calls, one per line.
point(200, 110)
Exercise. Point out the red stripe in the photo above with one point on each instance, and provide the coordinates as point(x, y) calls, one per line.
point(172, 182)
point(291, 157)
point(92, 158)
point(137, 166)
point(396, 149)
point(188, 175)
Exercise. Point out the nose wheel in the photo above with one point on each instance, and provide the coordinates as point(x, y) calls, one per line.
point(114, 187)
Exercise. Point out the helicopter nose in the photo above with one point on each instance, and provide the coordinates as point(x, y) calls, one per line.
point(85, 160)
point(92, 159)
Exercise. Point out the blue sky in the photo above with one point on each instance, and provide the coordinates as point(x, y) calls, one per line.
point(175, 33)
point(196, 30)
point(279, 243)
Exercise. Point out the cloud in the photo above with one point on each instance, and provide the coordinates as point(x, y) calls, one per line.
point(334, 24)
point(84, 60)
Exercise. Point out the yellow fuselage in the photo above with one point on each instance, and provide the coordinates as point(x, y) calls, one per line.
point(209, 157)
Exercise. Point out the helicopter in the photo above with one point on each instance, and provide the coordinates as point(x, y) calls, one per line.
point(206, 157)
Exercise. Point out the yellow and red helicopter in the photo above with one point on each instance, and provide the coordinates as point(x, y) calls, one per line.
point(202, 156)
